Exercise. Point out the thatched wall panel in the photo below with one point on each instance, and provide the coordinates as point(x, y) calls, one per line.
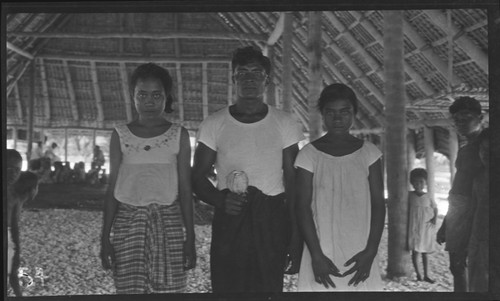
point(344, 44)
point(196, 21)
point(361, 35)
point(458, 54)
point(95, 22)
point(413, 91)
point(411, 116)
point(373, 100)
point(377, 52)
point(359, 60)
point(162, 47)
point(377, 81)
point(476, 77)
point(427, 30)
point(345, 17)
point(207, 48)
point(346, 71)
point(59, 109)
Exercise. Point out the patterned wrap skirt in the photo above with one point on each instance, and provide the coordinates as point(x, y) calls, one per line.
point(148, 243)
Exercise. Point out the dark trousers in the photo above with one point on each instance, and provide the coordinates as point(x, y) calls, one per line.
point(248, 251)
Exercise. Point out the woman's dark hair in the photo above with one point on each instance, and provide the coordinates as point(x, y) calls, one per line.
point(151, 70)
point(335, 92)
point(418, 173)
point(26, 182)
point(247, 55)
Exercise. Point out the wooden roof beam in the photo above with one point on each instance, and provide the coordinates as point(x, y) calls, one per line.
point(19, 106)
point(19, 51)
point(138, 59)
point(18, 76)
point(71, 91)
point(97, 94)
point(440, 20)
point(179, 34)
point(278, 30)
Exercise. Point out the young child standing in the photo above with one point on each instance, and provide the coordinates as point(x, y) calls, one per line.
point(340, 201)
point(21, 187)
point(149, 199)
point(422, 222)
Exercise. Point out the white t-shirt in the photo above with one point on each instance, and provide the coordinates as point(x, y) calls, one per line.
point(255, 148)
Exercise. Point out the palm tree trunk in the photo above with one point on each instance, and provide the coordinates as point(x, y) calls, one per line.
point(396, 162)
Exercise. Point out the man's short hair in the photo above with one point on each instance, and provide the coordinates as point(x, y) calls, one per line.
point(247, 55)
point(465, 103)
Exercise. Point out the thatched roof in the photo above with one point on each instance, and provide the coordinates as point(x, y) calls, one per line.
point(82, 62)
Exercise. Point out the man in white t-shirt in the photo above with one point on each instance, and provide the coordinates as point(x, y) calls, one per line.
point(254, 235)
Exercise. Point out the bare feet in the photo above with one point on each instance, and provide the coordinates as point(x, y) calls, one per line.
point(427, 279)
point(419, 278)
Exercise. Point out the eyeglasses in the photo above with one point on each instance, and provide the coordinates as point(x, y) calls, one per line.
point(257, 74)
point(464, 116)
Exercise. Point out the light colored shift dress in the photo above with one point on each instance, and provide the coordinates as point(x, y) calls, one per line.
point(341, 210)
point(422, 233)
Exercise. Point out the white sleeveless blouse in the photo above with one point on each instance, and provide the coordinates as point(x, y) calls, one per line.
point(148, 171)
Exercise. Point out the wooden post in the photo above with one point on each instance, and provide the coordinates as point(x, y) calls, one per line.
point(65, 144)
point(429, 160)
point(229, 85)
point(30, 112)
point(45, 93)
point(204, 89)
point(97, 94)
point(180, 95)
point(411, 153)
point(395, 156)
point(271, 87)
point(286, 61)
point(453, 151)
point(126, 91)
point(14, 136)
point(315, 79)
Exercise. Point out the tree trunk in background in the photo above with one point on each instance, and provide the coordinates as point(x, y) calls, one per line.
point(271, 87)
point(315, 80)
point(396, 161)
point(30, 113)
point(429, 161)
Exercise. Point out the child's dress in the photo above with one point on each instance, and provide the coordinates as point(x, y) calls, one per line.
point(421, 236)
point(341, 210)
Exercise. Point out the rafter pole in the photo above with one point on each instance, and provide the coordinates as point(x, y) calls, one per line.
point(19, 106)
point(45, 92)
point(179, 34)
point(126, 91)
point(19, 51)
point(71, 91)
point(97, 94)
point(477, 55)
point(30, 112)
point(278, 30)
point(18, 76)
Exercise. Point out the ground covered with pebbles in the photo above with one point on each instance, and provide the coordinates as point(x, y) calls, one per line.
point(60, 256)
